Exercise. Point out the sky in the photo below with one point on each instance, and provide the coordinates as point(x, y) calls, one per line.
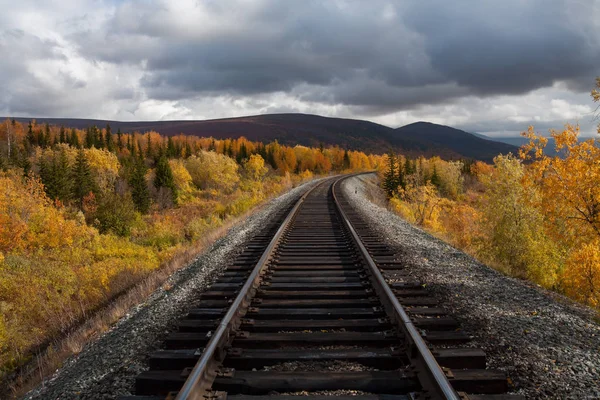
point(492, 67)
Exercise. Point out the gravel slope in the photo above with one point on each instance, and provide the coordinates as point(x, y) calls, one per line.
point(107, 367)
point(548, 346)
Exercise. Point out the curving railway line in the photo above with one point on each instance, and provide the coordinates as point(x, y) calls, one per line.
point(318, 306)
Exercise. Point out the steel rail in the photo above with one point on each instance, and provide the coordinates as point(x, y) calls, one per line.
point(428, 369)
point(197, 385)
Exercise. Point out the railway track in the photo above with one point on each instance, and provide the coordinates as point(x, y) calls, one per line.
point(317, 305)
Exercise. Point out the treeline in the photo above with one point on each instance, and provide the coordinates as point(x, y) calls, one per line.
point(85, 214)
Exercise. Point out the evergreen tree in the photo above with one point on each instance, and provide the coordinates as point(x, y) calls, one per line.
point(346, 162)
point(164, 177)
point(31, 139)
point(188, 149)
point(171, 150)
point(74, 141)
point(83, 182)
point(390, 181)
point(119, 139)
point(99, 141)
point(139, 188)
point(62, 137)
point(46, 141)
point(435, 178)
point(89, 138)
point(149, 152)
point(63, 177)
point(110, 145)
point(212, 146)
point(242, 154)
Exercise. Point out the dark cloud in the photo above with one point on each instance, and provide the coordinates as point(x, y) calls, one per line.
point(380, 55)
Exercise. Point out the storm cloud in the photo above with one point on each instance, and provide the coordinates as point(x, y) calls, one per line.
point(388, 61)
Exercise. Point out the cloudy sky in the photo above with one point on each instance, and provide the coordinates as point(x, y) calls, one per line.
point(485, 66)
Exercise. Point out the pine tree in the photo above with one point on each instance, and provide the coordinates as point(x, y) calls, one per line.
point(119, 139)
point(74, 141)
point(242, 154)
point(149, 152)
point(346, 162)
point(212, 146)
point(62, 177)
point(139, 187)
point(62, 138)
point(31, 140)
point(47, 139)
point(164, 177)
point(171, 150)
point(110, 145)
point(83, 182)
point(188, 149)
point(99, 141)
point(435, 178)
point(390, 181)
point(89, 137)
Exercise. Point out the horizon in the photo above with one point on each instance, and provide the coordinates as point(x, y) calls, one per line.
point(492, 135)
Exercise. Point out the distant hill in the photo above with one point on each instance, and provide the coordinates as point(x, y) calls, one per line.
point(518, 141)
point(434, 137)
point(421, 138)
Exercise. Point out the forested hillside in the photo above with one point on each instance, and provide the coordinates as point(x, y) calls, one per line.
point(87, 213)
point(418, 139)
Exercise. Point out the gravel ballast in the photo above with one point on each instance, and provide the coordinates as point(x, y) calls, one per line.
point(107, 367)
point(548, 346)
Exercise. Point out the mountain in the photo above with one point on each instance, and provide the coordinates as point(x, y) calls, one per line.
point(437, 138)
point(518, 141)
point(421, 138)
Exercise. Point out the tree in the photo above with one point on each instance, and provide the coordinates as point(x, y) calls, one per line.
point(435, 178)
point(164, 177)
point(212, 171)
point(119, 139)
point(389, 181)
point(171, 150)
point(110, 145)
point(74, 140)
point(149, 152)
point(346, 162)
point(31, 139)
point(83, 182)
point(517, 239)
point(62, 136)
point(569, 199)
point(62, 177)
point(115, 214)
point(139, 187)
point(255, 167)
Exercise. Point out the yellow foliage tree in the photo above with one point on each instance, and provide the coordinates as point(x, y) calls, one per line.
point(255, 167)
point(569, 188)
point(517, 240)
point(210, 170)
